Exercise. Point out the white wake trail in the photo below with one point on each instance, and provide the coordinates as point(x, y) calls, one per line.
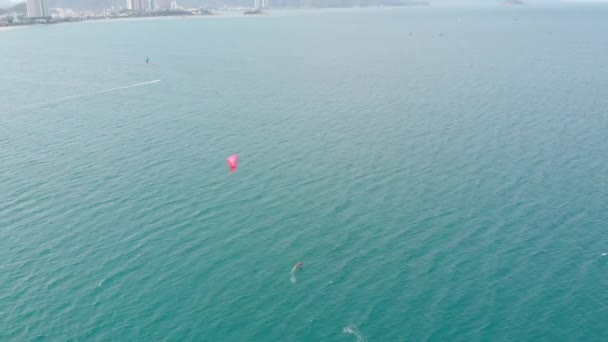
point(66, 98)
point(293, 274)
point(127, 87)
point(352, 330)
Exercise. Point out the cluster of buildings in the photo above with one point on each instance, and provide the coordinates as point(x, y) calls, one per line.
point(151, 5)
point(38, 11)
point(40, 8)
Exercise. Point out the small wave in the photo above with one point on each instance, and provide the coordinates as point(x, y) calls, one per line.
point(604, 254)
point(100, 284)
point(352, 330)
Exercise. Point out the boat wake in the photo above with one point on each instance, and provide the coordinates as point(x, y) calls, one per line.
point(77, 96)
point(296, 267)
point(352, 330)
point(293, 274)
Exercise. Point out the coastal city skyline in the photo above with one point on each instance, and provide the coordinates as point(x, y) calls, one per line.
point(54, 11)
point(166, 4)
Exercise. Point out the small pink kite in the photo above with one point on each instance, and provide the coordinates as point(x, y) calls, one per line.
point(233, 162)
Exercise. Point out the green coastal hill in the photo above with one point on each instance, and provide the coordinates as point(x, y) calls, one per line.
point(19, 8)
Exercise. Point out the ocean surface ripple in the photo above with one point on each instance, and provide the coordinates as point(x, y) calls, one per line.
point(441, 172)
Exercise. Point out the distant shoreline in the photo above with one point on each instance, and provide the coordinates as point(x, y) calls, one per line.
point(11, 27)
point(207, 14)
point(80, 20)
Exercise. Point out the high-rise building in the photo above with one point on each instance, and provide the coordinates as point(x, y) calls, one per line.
point(261, 4)
point(163, 4)
point(37, 8)
point(139, 5)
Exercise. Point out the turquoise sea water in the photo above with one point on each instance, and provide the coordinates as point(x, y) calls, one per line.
point(442, 173)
